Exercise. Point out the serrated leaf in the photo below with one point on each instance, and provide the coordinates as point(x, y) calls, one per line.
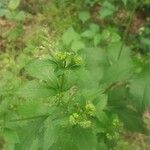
point(41, 69)
point(29, 108)
point(28, 133)
point(34, 89)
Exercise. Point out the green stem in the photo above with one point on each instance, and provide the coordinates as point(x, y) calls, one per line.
point(127, 29)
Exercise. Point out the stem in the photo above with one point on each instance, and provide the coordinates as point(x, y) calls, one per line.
point(127, 28)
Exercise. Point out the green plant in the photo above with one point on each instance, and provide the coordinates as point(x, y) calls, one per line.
point(9, 9)
point(73, 106)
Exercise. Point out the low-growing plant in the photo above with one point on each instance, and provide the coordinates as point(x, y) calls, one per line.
point(67, 103)
point(80, 98)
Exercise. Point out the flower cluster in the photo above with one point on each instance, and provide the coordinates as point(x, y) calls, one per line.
point(68, 59)
point(90, 109)
point(84, 119)
point(76, 119)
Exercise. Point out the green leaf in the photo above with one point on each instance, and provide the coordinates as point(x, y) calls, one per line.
point(113, 51)
point(49, 137)
point(34, 89)
point(13, 4)
point(131, 120)
point(97, 39)
point(118, 71)
point(102, 103)
point(51, 134)
point(3, 12)
point(94, 27)
point(107, 9)
point(77, 45)
point(139, 90)
point(115, 37)
point(84, 139)
point(20, 16)
point(69, 36)
point(15, 33)
point(88, 34)
point(84, 16)
point(102, 117)
point(29, 108)
point(4, 105)
point(11, 136)
point(41, 69)
point(28, 133)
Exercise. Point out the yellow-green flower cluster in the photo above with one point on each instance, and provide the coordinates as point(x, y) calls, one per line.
point(90, 109)
point(116, 122)
point(76, 119)
point(68, 59)
point(61, 55)
point(112, 136)
point(83, 119)
point(85, 124)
